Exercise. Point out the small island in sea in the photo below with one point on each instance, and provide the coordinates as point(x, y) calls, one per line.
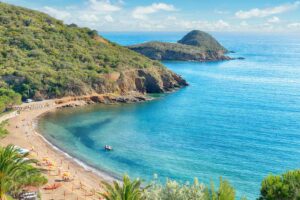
point(195, 46)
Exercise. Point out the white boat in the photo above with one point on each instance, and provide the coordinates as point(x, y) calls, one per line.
point(107, 147)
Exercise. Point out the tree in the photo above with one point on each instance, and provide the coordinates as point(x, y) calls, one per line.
point(284, 187)
point(225, 191)
point(16, 171)
point(172, 190)
point(129, 190)
point(8, 98)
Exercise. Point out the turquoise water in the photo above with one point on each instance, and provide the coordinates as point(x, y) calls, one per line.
point(238, 119)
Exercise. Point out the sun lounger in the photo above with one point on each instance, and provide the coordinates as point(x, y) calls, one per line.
point(52, 187)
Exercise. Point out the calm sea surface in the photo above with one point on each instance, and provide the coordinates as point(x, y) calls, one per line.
point(238, 119)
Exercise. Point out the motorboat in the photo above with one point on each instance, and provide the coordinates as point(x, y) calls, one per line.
point(107, 148)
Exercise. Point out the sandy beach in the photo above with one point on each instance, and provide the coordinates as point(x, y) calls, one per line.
point(84, 183)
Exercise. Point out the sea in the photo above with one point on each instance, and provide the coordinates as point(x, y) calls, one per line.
point(238, 119)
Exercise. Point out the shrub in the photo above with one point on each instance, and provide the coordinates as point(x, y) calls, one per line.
point(225, 191)
point(173, 190)
point(284, 187)
point(8, 98)
point(3, 131)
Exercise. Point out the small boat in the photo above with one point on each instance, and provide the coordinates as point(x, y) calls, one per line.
point(108, 148)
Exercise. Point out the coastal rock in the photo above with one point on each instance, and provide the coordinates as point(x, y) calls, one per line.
point(72, 102)
point(195, 46)
point(149, 81)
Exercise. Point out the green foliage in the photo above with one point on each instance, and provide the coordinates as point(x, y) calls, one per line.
point(17, 171)
point(8, 98)
point(284, 187)
point(40, 56)
point(203, 40)
point(3, 131)
point(176, 51)
point(225, 191)
point(151, 48)
point(129, 190)
point(173, 190)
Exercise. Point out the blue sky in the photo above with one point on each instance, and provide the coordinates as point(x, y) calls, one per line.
point(174, 15)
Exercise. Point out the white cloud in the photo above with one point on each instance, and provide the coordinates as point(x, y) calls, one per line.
point(93, 13)
point(274, 20)
point(103, 6)
point(109, 18)
point(171, 18)
point(90, 18)
point(221, 12)
point(256, 12)
point(244, 23)
point(294, 25)
point(112, 15)
point(142, 12)
point(219, 25)
point(60, 14)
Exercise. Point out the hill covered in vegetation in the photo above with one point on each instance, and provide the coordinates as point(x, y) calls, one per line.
point(203, 40)
point(41, 57)
point(195, 46)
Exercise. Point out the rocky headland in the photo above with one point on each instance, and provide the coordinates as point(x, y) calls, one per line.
point(195, 46)
point(43, 58)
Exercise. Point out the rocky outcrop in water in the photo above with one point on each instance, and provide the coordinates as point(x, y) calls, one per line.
point(195, 46)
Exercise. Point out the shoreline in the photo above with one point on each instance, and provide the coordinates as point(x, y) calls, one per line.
point(105, 176)
point(101, 173)
point(23, 132)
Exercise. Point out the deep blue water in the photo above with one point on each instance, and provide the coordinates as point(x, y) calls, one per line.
point(238, 119)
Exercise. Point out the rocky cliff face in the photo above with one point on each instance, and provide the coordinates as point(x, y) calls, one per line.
point(126, 82)
point(149, 81)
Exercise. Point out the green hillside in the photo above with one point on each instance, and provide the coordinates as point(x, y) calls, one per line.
point(203, 40)
point(41, 57)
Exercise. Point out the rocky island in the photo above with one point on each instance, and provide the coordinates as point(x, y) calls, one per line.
point(195, 46)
